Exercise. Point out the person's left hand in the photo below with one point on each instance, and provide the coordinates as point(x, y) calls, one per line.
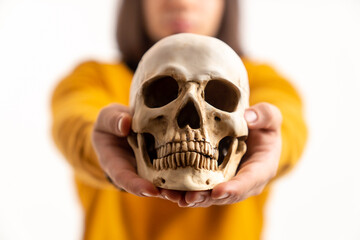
point(258, 166)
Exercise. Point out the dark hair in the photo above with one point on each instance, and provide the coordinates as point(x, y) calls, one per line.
point(133, 41)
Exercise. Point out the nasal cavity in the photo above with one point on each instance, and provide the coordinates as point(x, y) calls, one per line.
point(189, 116)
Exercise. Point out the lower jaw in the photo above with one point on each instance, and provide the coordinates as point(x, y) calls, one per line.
point(187, 179)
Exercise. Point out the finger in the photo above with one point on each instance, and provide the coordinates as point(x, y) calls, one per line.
point(172, 195)
point(263, 116)
point(204, 200)
point(195, 197)
point(127, 179)
point(119, 164)
point(114, 119)
point(132, 183)
point(246, 183)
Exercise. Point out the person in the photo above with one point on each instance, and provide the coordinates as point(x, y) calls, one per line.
point(91, 120)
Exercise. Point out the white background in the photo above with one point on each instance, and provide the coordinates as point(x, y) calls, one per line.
point(314, 43)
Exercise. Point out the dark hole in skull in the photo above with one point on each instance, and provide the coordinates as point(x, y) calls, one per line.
point(150, 146)
point(222, 95)
point(224, 146)
point(160, 91)
point(188, 115)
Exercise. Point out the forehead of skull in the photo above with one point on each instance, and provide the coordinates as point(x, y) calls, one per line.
point(192, 57)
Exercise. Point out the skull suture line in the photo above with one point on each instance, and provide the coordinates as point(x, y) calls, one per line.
point(188, 98)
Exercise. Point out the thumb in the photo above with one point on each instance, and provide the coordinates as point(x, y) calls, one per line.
point(263, 116)
point(114, 119)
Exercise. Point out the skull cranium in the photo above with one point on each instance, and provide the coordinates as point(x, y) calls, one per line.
point(188, 98)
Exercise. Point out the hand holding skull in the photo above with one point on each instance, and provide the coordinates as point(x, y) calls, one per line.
point(188, 97)
point(188, 101)
point(114, 153)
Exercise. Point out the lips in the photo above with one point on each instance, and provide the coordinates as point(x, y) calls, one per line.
point(180, 25)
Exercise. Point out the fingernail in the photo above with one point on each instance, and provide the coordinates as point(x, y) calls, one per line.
point(119, 124)
point(250, 116)
point(146, 194)
point(191, 205)
point(225, 195)
point(200, 200)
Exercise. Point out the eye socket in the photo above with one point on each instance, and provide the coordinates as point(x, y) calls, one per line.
point(161, 91)
point(222, 95)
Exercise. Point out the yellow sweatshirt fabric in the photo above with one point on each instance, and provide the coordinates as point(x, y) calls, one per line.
point(111, 214)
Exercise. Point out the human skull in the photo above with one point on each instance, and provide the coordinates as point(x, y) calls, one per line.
point(188, 98)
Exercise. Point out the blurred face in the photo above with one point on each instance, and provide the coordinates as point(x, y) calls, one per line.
point(167, 17)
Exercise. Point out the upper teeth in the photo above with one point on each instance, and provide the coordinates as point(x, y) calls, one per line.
point(201, 147)
point(187, 148)
point(188, 159)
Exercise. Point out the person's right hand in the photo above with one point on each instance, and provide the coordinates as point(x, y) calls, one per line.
point(114, 153)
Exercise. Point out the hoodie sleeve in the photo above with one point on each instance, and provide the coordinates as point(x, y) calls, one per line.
point(76, 102)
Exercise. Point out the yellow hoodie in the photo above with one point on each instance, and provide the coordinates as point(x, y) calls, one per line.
point(111, 214)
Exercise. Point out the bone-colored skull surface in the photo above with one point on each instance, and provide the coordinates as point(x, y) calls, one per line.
point(188, 98)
